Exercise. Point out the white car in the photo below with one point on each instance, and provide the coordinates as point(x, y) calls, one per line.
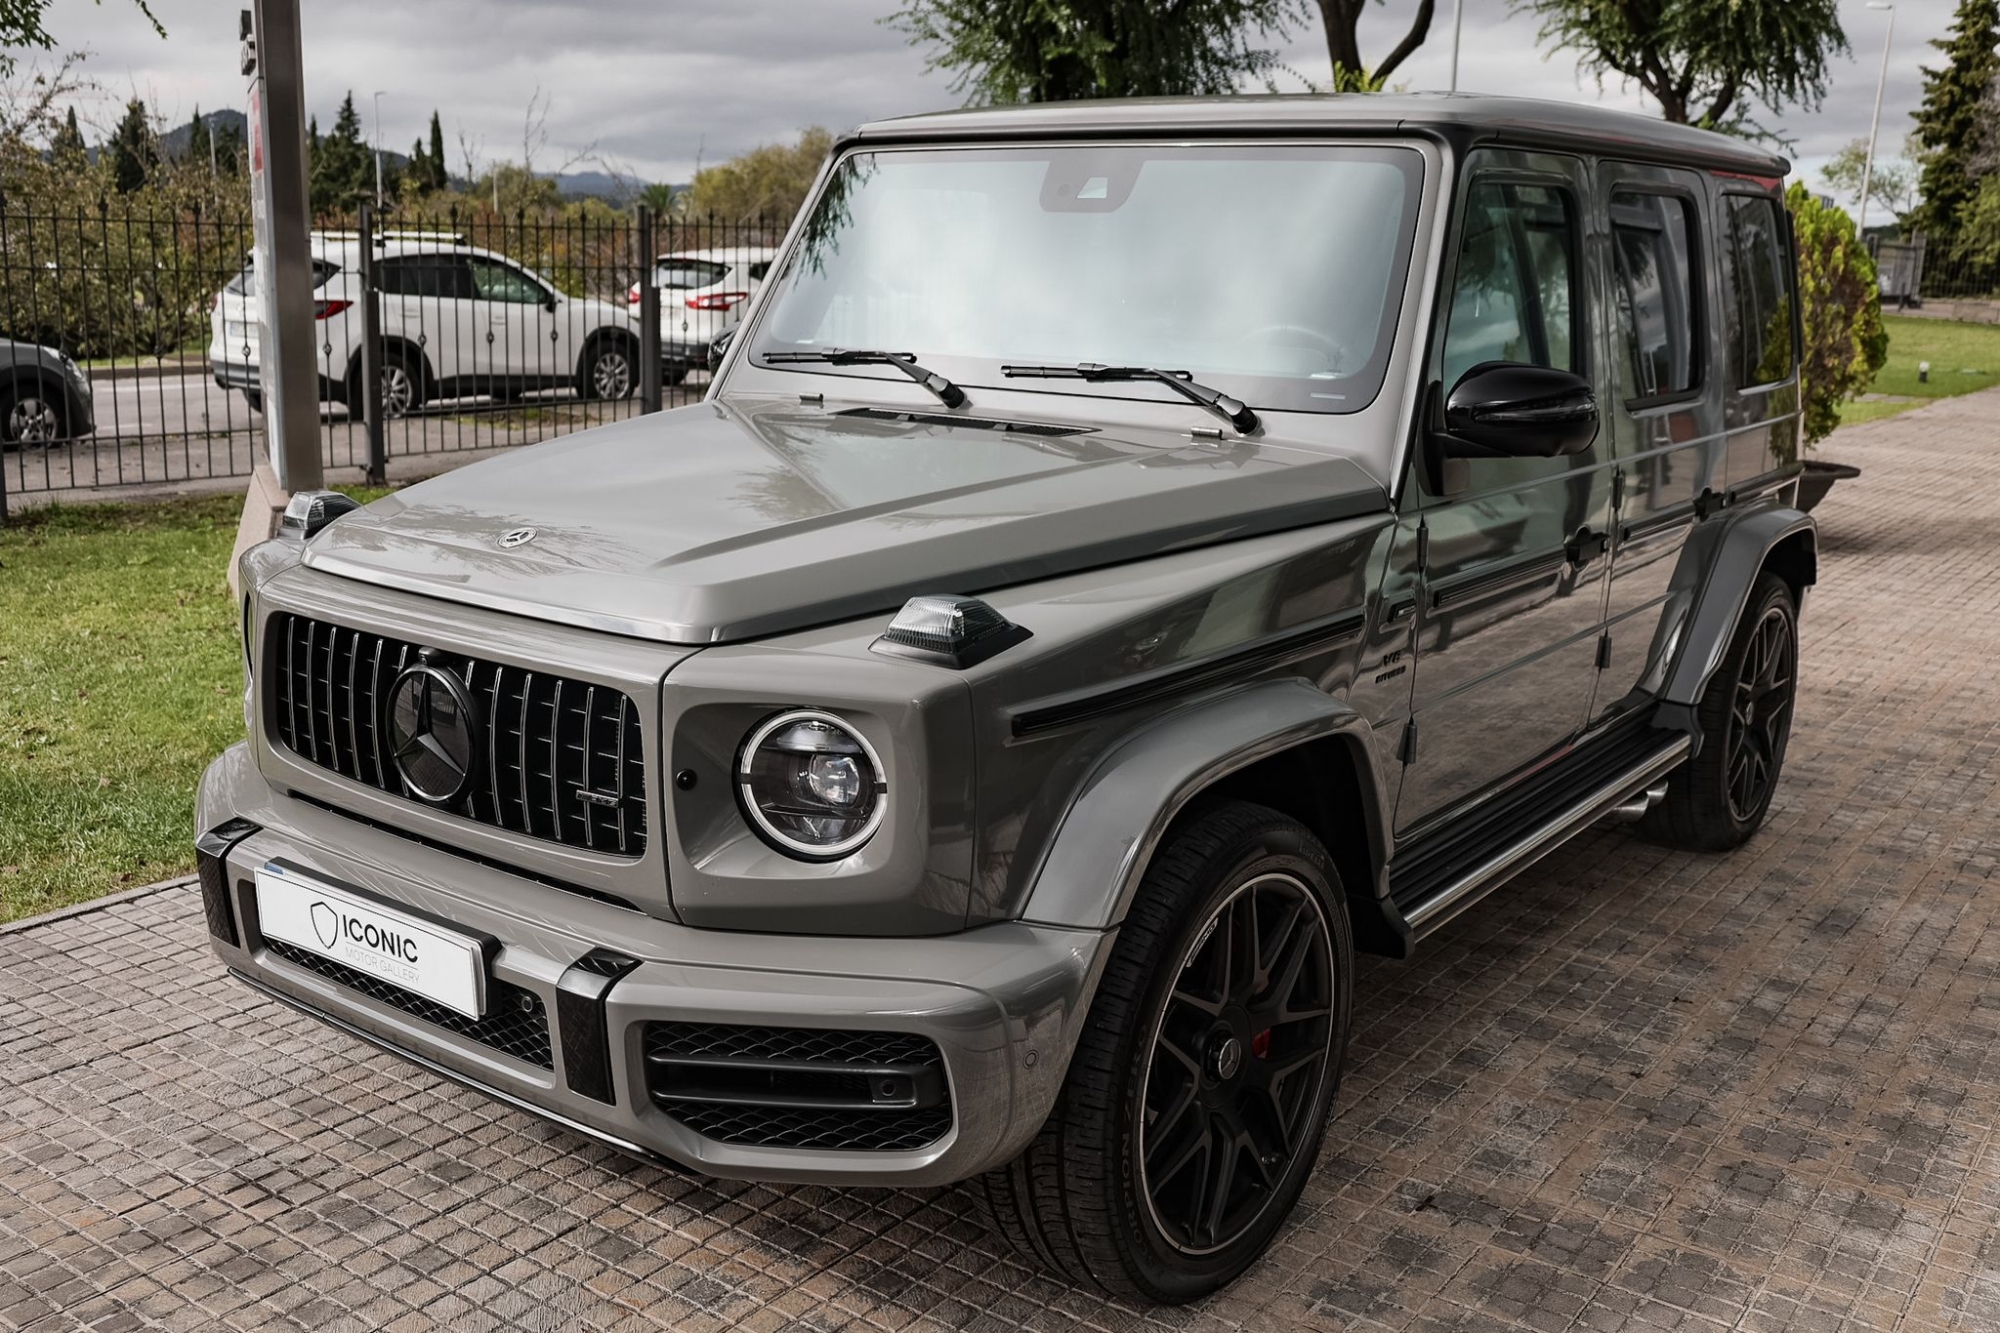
point(702, 293)
point(456, 321)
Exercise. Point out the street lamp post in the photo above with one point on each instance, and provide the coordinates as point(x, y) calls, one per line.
point(1457, 30)
point(1875, 126)
point(378, 148)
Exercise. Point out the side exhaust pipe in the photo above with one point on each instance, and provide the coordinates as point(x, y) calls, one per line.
point(1634, 807)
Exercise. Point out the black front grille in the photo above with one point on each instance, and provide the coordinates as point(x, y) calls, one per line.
point(516, 1022)
point(556, 759)
point(800, 1087)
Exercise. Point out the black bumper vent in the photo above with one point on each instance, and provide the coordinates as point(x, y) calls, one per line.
point(556, 759)
point(211, 863)
point(800, 1087)
point(516, 1023)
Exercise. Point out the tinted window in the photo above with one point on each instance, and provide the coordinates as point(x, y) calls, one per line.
point(1516, 272)
point(1650, 235)
point(1756, 292)
point(245, 283)
point(681, 274)
point(498, 282)
point(445, 276)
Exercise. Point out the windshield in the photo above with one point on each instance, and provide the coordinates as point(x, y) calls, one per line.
point(1272, 273)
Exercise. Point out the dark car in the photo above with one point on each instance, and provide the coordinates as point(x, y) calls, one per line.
point(44, 396)
point(1132, 558)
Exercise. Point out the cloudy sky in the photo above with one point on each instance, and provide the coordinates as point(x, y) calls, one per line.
point(656, 84)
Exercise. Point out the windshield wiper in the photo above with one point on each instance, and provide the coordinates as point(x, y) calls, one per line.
point(948, 393)
point(1239, 415)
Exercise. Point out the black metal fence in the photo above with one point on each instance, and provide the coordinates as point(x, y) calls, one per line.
point(134, 356)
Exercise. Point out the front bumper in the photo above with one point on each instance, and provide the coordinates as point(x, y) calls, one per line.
point(1003, 1003)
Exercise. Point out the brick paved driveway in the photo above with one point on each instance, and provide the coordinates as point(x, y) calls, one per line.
point(1637, 1090)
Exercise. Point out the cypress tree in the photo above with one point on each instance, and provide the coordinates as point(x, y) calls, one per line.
point(199, 144)
point(134, 153)
point(67, 147)
point(1948, 124)
point(440, 175)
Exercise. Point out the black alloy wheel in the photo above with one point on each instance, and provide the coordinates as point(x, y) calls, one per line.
point(1238, 1058)
point(1760, 716)
point(1720, 796)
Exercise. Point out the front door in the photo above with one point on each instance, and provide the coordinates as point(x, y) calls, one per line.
point(525, 339)
point(1511, 605)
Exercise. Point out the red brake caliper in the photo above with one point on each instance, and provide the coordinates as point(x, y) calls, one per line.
point(1260, 1045)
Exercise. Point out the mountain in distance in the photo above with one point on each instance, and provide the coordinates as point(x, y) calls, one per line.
point(175, 141)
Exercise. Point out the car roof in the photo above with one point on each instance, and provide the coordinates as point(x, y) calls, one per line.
point(723, 254)
point(1469, 117)
point(348, 247)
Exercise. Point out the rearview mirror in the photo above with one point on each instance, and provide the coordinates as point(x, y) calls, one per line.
point(1501, 409)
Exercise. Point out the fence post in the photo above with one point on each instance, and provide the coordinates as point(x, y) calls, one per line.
point(371, 354)
point(649, 318)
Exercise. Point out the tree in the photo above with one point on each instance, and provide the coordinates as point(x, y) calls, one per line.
point(1845, 343)
point(1892, 184)
point(770, 181)
point(134, 150)
point(1342, 20)
point(199, 144)
point(1003, 51)
point(1949, 122)
point(664, 200)
point(1703, 61)
point(228, 149)
point(67, 147)
point(438, 175)
point(342, 172)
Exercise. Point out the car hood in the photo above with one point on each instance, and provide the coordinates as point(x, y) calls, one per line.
point(726, 521)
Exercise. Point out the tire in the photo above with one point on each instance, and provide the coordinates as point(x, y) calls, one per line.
point(30, 415)
point(672, 375)
point(1160, 1068)
point(405, 384)
point(610, 369)
point(1718, 799)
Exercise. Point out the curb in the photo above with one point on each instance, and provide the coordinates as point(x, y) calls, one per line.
point(110, 900)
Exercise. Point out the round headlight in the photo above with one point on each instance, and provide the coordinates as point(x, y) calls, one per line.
point(811, 785)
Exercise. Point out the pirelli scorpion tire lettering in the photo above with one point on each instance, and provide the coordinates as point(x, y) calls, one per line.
point(1198, 1094)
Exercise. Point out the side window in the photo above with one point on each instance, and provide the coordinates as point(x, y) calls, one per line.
point(433, 276)
point(682, 274)
point(1651, 241)
point(499, 282)
point(1516, 273)
point(1756, 292)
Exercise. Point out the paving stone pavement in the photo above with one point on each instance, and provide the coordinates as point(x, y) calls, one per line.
point(1636, 1089)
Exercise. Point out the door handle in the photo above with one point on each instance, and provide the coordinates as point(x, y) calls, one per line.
point(1586, 546)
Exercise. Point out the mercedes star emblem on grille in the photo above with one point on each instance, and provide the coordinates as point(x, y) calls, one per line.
point(432, 733)
point(516, 537)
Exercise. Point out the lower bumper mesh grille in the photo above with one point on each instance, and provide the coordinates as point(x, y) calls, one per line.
point(800, 1087)
point(516, 1023)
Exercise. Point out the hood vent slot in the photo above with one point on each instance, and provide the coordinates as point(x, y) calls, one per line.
point(966, 423)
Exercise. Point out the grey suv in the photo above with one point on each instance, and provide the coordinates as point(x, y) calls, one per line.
point(1133, 557)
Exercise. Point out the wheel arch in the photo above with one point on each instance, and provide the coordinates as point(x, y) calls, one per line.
point(394, 342)
point(1782, 540)
point(601, 334)
point(1283, 744)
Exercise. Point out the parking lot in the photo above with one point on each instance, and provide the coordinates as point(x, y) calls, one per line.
point(1636, 1089)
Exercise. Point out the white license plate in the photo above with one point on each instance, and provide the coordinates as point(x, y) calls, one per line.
point(404, 950)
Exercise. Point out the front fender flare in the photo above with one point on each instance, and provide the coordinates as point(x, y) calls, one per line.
point(1740, 551)
point(1100, 851)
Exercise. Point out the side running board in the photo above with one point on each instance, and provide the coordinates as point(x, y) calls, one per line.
point(1442, 875)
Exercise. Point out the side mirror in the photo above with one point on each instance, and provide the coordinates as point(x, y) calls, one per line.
point(1501, 409)
point(549, 302)
point(719, 347)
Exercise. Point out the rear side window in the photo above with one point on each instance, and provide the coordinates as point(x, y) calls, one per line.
point(439, 276)
point(245, 283)
point(1516, 274)
point(682, 274)
point(1652, 246)
point(1756, 291)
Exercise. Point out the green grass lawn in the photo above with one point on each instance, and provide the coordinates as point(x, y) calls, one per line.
point(120, 678)
point(1963, 357)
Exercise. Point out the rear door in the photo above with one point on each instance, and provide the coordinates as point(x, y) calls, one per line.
point(1663, 409)
point(1511, 603)
point(427, 301)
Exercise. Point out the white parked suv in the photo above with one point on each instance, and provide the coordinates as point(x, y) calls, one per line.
point(457, 321)
point(702, 293)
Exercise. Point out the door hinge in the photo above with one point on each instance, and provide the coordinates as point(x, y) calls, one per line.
point(1423, 547)
point(1603, 652)
point(1407, 752)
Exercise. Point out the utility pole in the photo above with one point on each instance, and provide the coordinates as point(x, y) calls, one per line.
point(378, 148)
point(1875, 126)
point(1457, 31)
point(287, 372)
